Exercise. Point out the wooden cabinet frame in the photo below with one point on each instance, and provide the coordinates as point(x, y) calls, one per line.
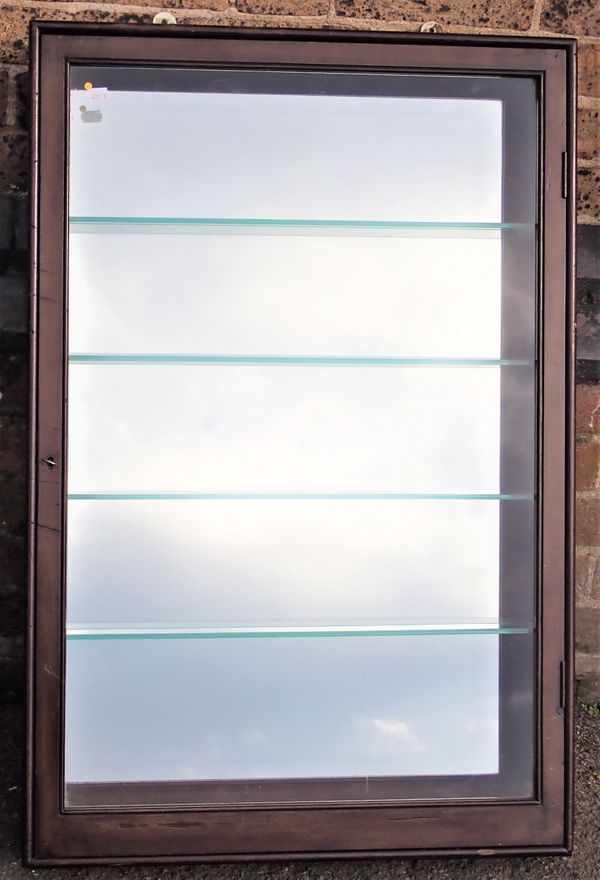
point(423, 825)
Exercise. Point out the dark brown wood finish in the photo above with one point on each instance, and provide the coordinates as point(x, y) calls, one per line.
point(56, 835)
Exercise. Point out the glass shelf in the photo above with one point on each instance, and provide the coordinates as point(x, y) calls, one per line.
point(288, 226)
point(254, 360)
point(273, 632)
point(295, 496)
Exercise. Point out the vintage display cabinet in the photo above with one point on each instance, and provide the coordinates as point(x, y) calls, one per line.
point(302, 465)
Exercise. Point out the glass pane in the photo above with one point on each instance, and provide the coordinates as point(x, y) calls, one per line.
point(283, 428)
point(362, 716)
point(276, 295)
point(282, 564)
point(301, 396)
point(282, 155)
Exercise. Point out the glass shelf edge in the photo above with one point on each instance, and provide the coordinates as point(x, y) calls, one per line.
point(291, 223)
point(273, 227)
point(266, 633)
point(297, 496)
point(259, 360)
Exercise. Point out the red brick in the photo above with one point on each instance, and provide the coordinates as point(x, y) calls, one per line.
point(14, 161)
point(214, 5)
point(587, 638)
point(22, 96)
point(585, 567)
point(13, 565)
point(14, 384)
point(587, 517)
point(594, 585)
point(14, 303)
point(514, 14)
point(4, 86)
point(283, 7)
point(14, 21)
point(13, 503)
point(13, 437)
point(588, 62)
point(211, 5)
point(587, 577)
point(580, 17)
point(587, 409)
point(587, 670)
point(587, 464)
point(588, 194)
point(588, 133)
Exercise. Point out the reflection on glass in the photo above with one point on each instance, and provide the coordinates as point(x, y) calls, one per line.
point(291, 563)
point(282, 708)
point(285, 295)
point(286, 156)
point(301, 430)
point(287, 429)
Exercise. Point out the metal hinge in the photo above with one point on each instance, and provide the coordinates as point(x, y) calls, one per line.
point(563, 685)
point(565, 176)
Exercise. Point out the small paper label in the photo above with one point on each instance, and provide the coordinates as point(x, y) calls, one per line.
point(100, 94)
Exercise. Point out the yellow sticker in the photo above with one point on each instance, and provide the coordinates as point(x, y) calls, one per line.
point(87, 86)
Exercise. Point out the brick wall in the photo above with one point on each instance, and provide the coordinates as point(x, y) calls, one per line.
point(579, 18)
